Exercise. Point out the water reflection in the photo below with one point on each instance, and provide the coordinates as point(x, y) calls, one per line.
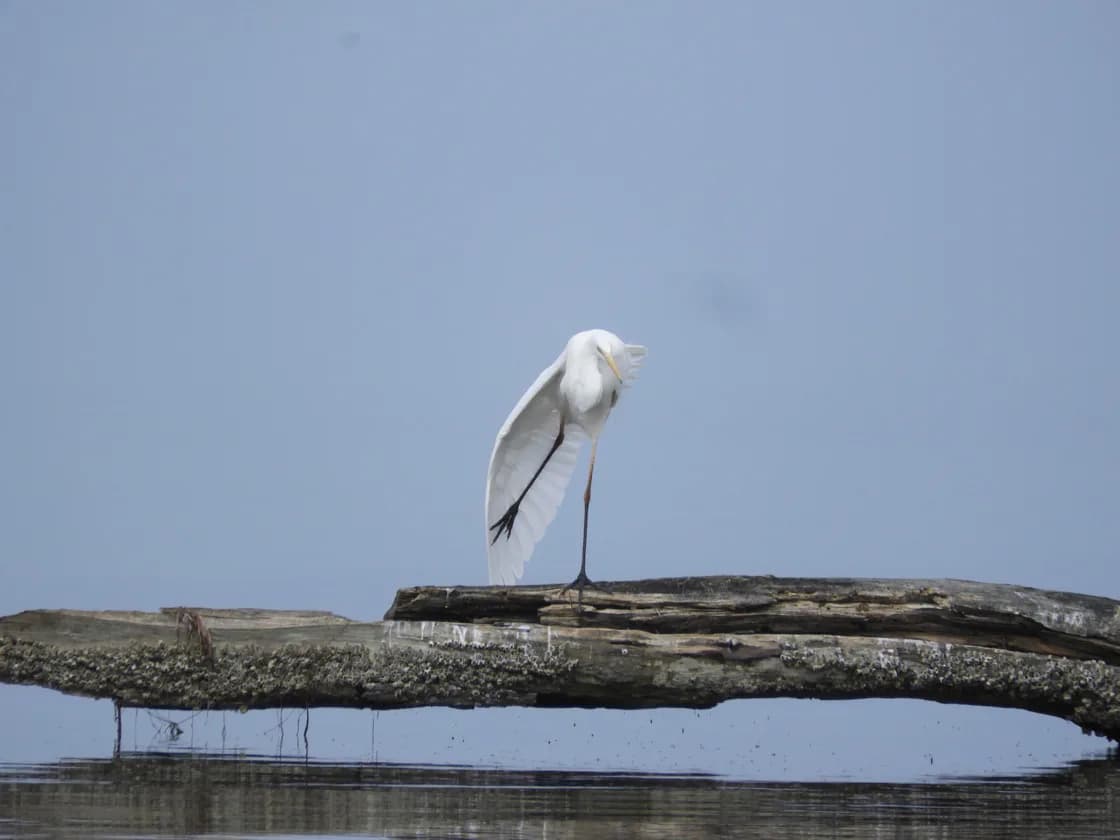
point(185, 794)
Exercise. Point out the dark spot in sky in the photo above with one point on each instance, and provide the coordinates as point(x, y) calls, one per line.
point(350, 40)
point(729, 300)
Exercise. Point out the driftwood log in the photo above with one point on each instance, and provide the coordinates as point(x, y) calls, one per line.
point(686, 642)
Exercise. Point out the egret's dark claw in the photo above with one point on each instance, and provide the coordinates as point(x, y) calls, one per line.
point(581, 582)
point(505, 523)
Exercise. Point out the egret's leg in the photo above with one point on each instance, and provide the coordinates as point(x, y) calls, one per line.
point(505, 523)
point(582, 579)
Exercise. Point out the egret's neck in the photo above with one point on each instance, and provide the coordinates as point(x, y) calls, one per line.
point(588, 393)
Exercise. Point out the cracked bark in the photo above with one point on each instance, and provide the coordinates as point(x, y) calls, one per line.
point(686, 642)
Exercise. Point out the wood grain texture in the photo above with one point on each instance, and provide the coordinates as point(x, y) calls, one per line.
point(685, 642)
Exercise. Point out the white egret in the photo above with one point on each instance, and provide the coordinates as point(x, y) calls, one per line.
point(536, 449)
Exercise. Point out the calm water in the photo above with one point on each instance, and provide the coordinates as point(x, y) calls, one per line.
point(205, 795)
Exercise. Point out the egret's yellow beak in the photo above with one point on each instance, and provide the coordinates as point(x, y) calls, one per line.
point(610, 361)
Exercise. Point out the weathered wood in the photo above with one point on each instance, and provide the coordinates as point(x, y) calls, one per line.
point(688, 642)
point(954, 611)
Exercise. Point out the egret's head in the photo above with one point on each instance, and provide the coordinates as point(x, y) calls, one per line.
point(604, 349)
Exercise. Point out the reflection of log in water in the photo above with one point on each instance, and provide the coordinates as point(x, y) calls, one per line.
point(148, 795)
point(688, 642)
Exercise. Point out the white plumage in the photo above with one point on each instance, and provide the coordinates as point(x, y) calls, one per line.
point(577, 391)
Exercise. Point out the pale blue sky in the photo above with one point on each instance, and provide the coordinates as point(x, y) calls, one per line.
point(272, 275)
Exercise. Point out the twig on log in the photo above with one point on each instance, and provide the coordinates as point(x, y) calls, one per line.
point(191, 622)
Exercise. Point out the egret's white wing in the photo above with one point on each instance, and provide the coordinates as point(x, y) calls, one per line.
point(522, 444)
point(635, 354)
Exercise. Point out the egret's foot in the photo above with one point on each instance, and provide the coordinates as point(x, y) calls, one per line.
point(505, 523)
point(581, 582)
